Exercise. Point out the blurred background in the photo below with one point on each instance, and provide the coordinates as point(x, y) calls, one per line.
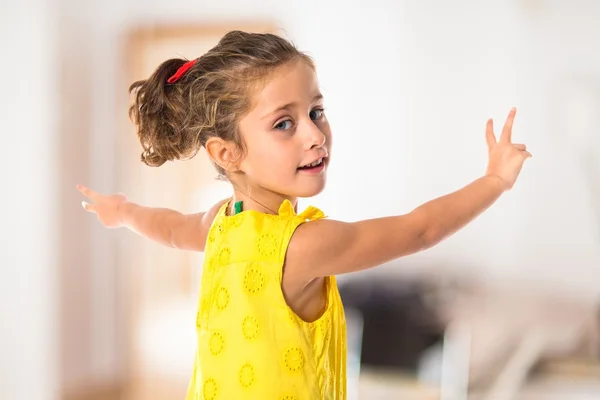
point(508, 308)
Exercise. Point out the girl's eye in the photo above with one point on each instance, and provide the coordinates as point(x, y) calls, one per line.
point(284, 125)
point(317, 113)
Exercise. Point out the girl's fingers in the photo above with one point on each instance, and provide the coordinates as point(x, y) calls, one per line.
point(88, 207)
point(506, 135)
point(490, 138)
point(87, 192)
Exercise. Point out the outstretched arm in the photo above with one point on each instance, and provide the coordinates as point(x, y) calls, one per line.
point(348, 247)
point(324, 247)
point(165, 226)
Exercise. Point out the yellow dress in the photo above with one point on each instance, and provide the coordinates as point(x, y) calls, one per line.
point(251, 345)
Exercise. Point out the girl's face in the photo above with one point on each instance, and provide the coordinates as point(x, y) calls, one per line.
point(286, 134)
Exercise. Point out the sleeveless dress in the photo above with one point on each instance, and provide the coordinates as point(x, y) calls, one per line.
point(250, 344)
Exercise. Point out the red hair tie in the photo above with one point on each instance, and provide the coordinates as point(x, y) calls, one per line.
point(181, 71)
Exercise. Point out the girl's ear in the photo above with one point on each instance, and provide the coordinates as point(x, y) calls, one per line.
point(225, 154)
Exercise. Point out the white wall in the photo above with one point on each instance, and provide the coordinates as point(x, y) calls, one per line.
point(559, 236)
point(28, 175)
point(83, 257)
point(408, 86)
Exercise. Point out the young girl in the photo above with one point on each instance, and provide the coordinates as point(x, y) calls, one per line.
point(270, 322)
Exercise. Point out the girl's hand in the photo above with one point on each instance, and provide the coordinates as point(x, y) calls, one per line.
point(505, 158)
point(106, 207)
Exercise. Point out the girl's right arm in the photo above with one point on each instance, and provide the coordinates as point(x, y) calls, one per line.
point(162, 225)
point(325, 247)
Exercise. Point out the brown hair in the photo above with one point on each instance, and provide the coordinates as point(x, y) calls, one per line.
point(175, 120)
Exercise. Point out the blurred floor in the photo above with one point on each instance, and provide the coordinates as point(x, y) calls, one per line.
point(379, 384)
point(376, 385)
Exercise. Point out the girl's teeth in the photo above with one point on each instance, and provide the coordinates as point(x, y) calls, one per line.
point(314, 164)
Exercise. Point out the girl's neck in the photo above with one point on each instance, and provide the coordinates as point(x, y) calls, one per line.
point(262, 200)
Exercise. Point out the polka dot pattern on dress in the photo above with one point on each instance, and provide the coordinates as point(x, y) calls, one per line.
point(211, 237)
point(293, 317)
point(324, 328)
point(221, 298)
point(267, 244)
point(224, 256)
point(246, 375)
point(254, 280)
point(216, 343)
point(294, 359)
point(250, 327)
point(210, 389)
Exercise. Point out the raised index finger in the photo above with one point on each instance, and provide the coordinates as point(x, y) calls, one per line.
point(506, 136)
point(87, 192)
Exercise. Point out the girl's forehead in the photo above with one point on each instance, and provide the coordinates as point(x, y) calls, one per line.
point(292, 83)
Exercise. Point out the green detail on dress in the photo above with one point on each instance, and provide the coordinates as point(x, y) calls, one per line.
point(237, 207)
